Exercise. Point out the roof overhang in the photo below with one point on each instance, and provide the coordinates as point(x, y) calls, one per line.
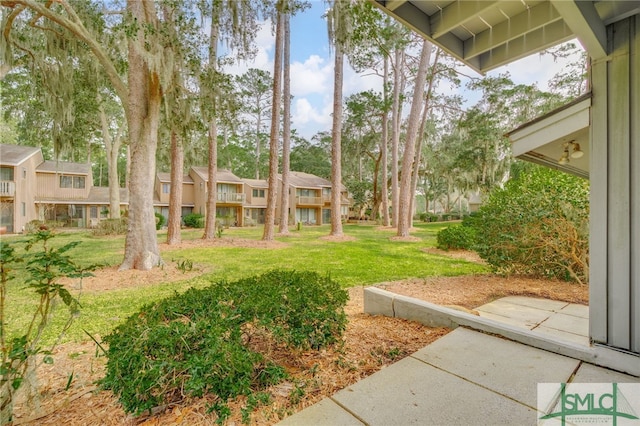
point(485, 34)
point(545, 139)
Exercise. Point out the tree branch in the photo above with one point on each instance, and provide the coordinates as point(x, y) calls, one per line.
point(75, 26)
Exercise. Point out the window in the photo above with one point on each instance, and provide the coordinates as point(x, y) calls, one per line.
point(72, 182)
point(165, 188)
point(226, 188)
point(23, 207)
point(6, 173)
point(66, 181)
point(301, 192)
point(78, 182)
point(258, 193)
point(306, 216)
point(93, 214)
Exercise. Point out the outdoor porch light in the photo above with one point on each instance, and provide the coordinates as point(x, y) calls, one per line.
point(577, 153)
point(564, 159)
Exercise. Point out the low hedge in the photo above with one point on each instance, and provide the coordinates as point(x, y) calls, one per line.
point(199, 342)
point(456, 237)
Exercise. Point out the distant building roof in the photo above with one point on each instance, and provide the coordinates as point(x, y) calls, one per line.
point(256, 183)
point(166, 177)
point(306, 180)
point(223, 175)
point(50, 166)
point(14, 155)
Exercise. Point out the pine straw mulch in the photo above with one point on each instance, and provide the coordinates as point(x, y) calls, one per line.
point(370, 343)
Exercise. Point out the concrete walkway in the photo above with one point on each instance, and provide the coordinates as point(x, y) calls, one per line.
point(468, 377)
point(567, 321)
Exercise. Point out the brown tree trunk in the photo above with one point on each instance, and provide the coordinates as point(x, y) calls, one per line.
point(141, 246)
point(286, 130)
point(212, 183)
point(270, 213)
point(395, 133)
point(112, 147)
point(212, 171)
point(404, 215)
point(175, 194)
point(336, 144)
point(421, 135)
point(384, 149)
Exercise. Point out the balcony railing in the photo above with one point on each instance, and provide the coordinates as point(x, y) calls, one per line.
point(7, 188)
point(230, 197)
point(309, 201)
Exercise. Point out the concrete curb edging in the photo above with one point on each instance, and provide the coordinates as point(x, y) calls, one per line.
point(382, 302)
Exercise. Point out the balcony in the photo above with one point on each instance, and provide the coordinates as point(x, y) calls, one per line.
point(309, 201)
point(230, 197)
point(7, 188)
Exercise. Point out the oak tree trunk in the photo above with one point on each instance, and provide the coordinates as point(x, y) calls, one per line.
point(143, 116)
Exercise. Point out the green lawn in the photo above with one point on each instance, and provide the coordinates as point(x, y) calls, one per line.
point(371, 258)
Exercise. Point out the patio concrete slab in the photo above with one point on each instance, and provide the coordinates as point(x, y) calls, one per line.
point(466, 377)
point(561, 334)
point(576, 310)
point(503, 319)
point(569, 323)
point(589, 373)
point(324, 413)
point(534, 302)
point(528, 316)
point(411, 392)
point(498, 364)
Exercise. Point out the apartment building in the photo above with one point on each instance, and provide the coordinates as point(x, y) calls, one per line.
point(32, 188)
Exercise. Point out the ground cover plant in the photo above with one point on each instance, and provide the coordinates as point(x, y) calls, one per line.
point(203, 340)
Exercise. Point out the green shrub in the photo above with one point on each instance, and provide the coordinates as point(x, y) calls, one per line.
point(200, 342)
point(537, 225)
point(456, 237)
point(111, 227)
point(428, 217)
point(159, 220)
point(194, 220)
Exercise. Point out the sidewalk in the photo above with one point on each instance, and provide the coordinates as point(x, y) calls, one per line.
point(567, 321)
point(468, 377)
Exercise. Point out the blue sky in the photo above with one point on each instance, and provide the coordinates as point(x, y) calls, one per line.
point(312, 70)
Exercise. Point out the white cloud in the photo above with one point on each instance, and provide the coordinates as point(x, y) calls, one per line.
point(311, 76)
point(305, 113)
point(535, 68)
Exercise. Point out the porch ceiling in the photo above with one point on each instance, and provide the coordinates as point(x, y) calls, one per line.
point(485, 34)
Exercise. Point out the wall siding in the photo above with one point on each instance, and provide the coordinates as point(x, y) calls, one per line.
point(615, 192)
